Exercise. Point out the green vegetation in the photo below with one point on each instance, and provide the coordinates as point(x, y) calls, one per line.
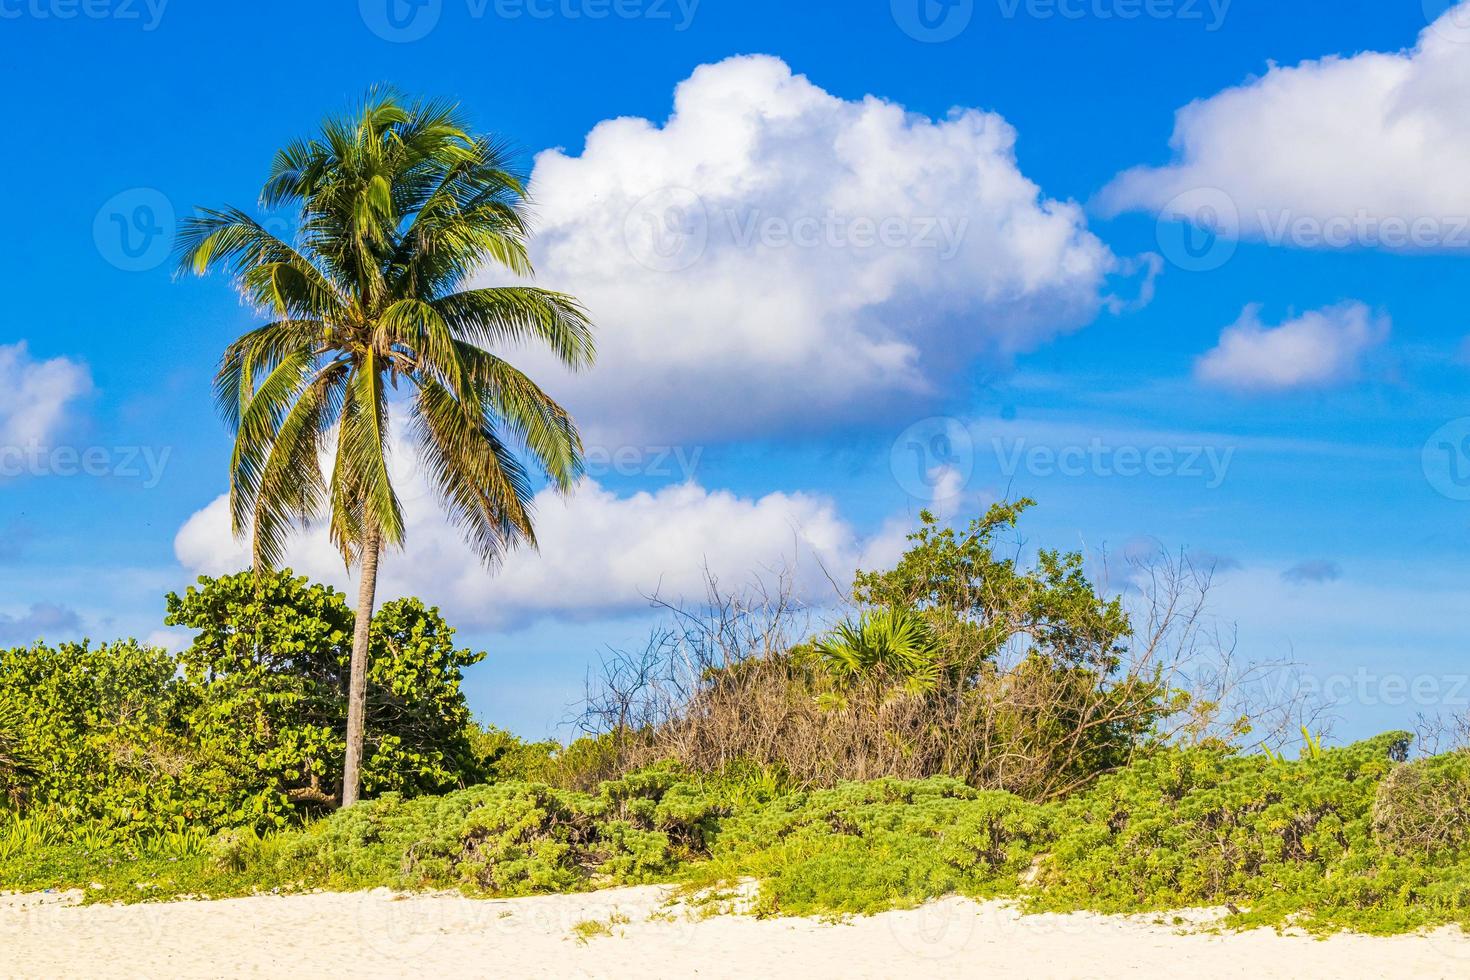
point(242, 730)
point(957, 662)
point(1329, 841)
point(1006, 739)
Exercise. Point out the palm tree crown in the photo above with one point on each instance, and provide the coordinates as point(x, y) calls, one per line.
point(398, 208)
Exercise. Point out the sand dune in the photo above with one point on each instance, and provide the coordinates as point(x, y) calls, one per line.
point(378, 934)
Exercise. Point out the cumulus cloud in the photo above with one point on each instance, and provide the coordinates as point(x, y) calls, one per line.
point(600, 553)
point(1315, 350)
point(774, 256)
point(1314, 571)
point(1366, 150)
point(35, 395)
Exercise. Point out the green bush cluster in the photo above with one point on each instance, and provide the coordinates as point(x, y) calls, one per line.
point(509, 838)
point(860, 847)
point(961, 661)
point(1304, 842)
point(1206, 827)
point(243, 729)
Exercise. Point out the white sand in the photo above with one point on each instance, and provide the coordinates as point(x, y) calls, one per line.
point(378, 934)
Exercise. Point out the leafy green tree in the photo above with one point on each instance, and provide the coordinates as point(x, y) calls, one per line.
point(978, 599)
point(270, 661)
point(399, 206)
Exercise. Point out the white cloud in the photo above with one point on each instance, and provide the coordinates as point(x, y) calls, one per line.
point(599, 553)
point(1315, 350)
point(35, 395)
point(774, 256)
point(172, 640)
point(1364, 150)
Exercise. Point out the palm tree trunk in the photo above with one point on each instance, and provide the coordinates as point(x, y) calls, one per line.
point(357, 680)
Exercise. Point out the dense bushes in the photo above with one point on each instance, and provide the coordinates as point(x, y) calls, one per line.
point(243, 729)
point(865, 846)
point(957, 662)
point(105, 730)
point(1300, 842)
point(973, 728)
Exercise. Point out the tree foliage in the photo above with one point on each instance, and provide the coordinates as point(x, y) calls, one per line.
point(245, 727)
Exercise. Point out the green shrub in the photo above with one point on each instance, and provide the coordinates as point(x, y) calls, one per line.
point(106, 730)
point(1286, 842)
point(962, 662)
point(1289, 841)
point(509, 838)
point(244, 729)
point(1424, 807)
point(580, 765)
point(270, 660)
point(862, 847)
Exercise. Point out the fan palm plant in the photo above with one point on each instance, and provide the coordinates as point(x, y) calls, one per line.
point(885, 646)
point(398, 206)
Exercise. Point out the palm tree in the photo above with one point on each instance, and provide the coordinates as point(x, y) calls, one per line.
point(398, 207)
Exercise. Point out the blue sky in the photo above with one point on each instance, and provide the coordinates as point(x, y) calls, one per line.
point(1302, 399)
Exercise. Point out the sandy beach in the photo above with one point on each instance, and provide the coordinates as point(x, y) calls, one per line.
point(635, 932)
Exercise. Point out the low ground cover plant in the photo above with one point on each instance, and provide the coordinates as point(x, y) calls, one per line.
point(1329, 841)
